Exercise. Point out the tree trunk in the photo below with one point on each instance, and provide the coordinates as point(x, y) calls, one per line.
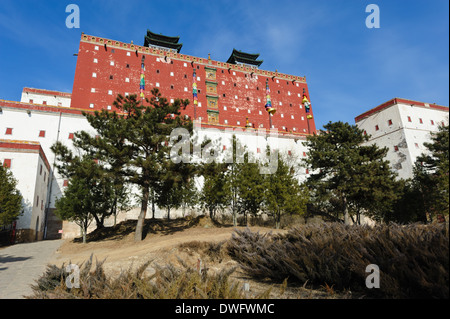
point(278, 220)
point(153, 204)
point(233, 203)
point(168, 213)
point(346, 215)
point(114, 210)
point(98, 222)
point(83, 233)
point(141, 219)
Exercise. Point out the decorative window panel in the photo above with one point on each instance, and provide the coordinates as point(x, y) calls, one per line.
point(210, 74)
point(212, 102)
point(211, 87)
point(213, 117)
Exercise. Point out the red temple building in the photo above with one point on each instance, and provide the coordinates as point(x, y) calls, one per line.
point(227, 93)
point(222, 95)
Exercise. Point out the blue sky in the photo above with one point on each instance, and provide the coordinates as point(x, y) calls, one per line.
point(349, 68)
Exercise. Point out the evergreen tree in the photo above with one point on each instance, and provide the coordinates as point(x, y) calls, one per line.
point(138, 137)
point(103, 185)
point(86, 197)
point(349, 177)
point(250, 187)
point(283, 194)
point(409, 208)
point(109, 148)
point(215, 195)
point(189, 195)
point(171, 188)
point(232, 176)
point(431, 179)
point(10, 198)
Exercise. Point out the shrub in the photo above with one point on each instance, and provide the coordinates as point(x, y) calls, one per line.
point(168, 282)
point(413, 260)
point(214, 251)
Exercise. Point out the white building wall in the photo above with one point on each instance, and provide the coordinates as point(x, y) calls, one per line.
point(31, 173)
point(41, 191)
point(403, 129)
point(256, 142)
point(27, 127)
point(37, 98)
point(24, 168)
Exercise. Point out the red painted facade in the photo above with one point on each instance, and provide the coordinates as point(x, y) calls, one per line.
point(228, 93)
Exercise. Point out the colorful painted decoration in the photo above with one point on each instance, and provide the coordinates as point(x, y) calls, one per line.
point(142, 82)
point(268, 105)
point(306, 103)
point(247, 124)
point(194, 88)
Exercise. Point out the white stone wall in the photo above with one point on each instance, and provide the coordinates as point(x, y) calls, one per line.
point(26, 127)
point(32, 175)
point(39, 98)
point(403, 129)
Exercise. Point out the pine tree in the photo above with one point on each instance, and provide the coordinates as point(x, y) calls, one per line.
point(87, 197)
point(283, 194)
point(232, 176)
point(111, 194)
point(349, 177)
point(137, 138)
point(215, 194)
point(250, 187)
point(10, 198)
point(431, 177)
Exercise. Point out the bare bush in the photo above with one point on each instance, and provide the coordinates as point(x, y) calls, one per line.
point(168, 282)
point(413, 260)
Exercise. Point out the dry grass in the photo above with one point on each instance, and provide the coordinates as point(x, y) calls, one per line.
point(168, 282)
point(413, 260)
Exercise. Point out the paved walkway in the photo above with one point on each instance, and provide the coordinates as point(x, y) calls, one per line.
point(22, 264)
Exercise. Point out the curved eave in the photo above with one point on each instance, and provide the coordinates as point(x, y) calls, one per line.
point(234, 59)
point(244, 55)
point(161, 37)
point(176, 46)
